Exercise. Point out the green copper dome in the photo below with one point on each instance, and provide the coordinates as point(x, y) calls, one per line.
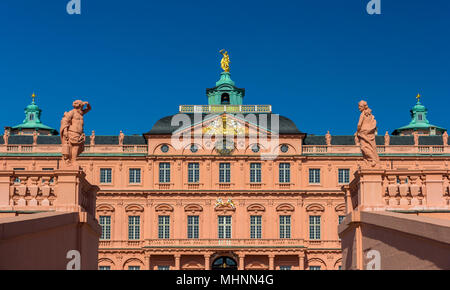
point(32, 122)
point(419, 122)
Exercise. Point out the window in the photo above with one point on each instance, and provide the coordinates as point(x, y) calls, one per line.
point(104, 268)
point(193, 172)
point(134, 227)
point(314, 176)
point(163, 267)
point(134, 267)
point(224, 172)
point(135, 175)
point(164, 148)
point(314, 268)
point(225, 227)
point(163, 227)
point(105, 223)
point(225, 99)
point(419, 117)
point(105, 175)
point(285, 267)
point(164, 172)
point(31, 117)
point(255, 172)
point(344, 176)
point(17, 179)
point(341, 218)
point(255, 227)
point(284, 173)
point(285, 226)
point(192, 227)
point(314, 227)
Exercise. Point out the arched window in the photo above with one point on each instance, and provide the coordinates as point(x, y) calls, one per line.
point(224, 263)
point(225, 99)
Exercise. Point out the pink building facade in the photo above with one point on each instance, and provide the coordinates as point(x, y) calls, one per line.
point(206, 203)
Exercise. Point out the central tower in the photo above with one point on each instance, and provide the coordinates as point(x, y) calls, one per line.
point(225, 92)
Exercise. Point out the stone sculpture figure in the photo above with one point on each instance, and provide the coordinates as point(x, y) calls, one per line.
point(416, 138)
point(225, 62)
point(92, 139)
point(72, 134)
point(445, 138)
point(6, 136)
point(365, 135)
point(35, 136)
point(328, 138)
point(121, 137)
point(387, 139)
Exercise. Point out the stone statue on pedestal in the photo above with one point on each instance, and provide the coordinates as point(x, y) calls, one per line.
point(72, 134)
point(365, 135)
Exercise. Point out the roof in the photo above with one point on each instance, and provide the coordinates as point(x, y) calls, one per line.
point(394, 140)
point(165, 126)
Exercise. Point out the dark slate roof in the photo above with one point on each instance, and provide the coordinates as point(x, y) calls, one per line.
point(20, 139)
point(431, 140)
point(394, 140)
point(401, 140)
point(163, 126)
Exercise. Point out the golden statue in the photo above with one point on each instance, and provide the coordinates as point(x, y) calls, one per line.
point(225, 62)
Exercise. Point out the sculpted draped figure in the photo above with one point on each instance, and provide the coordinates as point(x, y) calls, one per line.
point(225, 62)
point(365, 135)
point(72, 134)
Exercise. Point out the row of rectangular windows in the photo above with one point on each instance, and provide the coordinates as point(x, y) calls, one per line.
point(224, 227)
point(224, 174)
point(165, 267)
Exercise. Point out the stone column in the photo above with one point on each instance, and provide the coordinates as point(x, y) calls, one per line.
point(301, 261)
point(177, 261)
point(271, 261)
point(207, 261)
point(241, 261)
point(149, 261)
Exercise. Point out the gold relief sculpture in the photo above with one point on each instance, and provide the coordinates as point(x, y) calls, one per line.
point(225, 62)
point(225, 126)
point(229, 203)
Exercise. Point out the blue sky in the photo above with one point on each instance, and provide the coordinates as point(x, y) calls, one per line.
point(135, 61)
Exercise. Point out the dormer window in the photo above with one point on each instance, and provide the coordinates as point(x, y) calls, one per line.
point(419, 117)
point(31, 117)
point(225, 99)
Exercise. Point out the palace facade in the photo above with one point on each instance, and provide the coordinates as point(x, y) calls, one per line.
point(223, 185)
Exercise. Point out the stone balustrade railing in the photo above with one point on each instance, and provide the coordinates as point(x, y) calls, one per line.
point(46, 190)
point(220, 243)
point(56, 149)
point(306, 149)
point(391, 149)
point(374, 189)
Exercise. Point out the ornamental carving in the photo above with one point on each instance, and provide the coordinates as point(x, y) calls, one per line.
point(315, 208)
point(285, 207)
point(193, 208)
point(256, 208)
point(222, 204)
point(164, 207)
point(134, 208)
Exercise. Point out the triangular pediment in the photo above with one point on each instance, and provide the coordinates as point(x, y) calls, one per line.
point(228, 124)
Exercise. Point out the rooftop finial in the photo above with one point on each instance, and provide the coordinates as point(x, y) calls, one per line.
point(418, 97)
point(225, 62)
point(33, 96)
